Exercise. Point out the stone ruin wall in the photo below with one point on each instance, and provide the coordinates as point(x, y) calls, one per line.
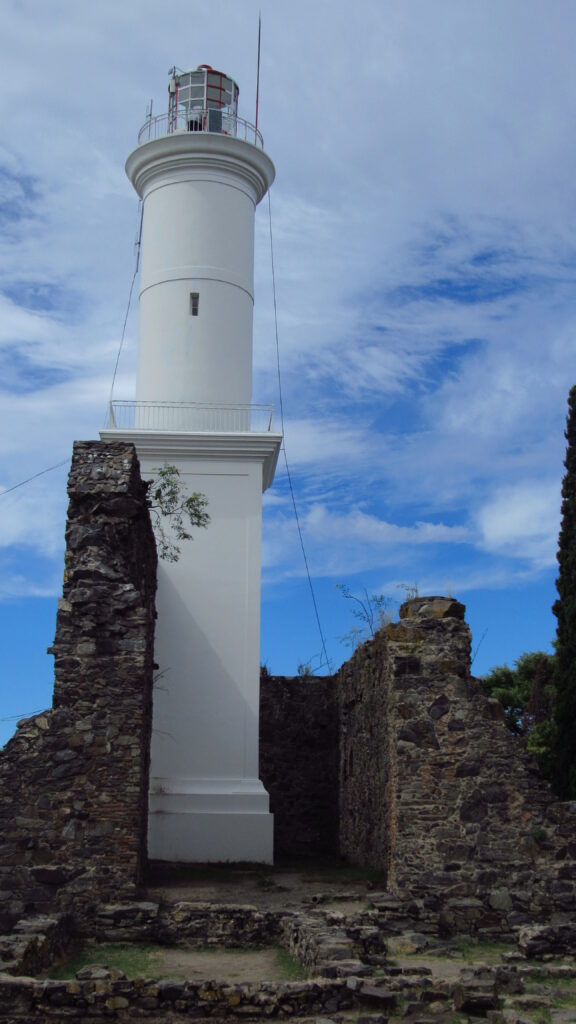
point(432, 789)
point(398, 763)
point(361, 694)
point(464, 815)
point(74, 780)
point(299, 763)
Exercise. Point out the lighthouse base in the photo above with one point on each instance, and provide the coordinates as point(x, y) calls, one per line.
point(206, 801)
point(210, 820)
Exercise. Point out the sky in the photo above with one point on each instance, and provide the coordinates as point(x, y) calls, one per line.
point(423, 220)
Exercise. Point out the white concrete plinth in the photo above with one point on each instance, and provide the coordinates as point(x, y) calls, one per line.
point(206, 801)
point(221, 820)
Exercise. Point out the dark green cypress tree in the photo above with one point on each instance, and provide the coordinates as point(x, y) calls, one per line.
point(564, 746)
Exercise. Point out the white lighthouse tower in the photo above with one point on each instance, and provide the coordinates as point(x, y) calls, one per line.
point(201, 171)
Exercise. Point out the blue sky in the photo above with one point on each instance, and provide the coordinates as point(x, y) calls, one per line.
point(425, 247)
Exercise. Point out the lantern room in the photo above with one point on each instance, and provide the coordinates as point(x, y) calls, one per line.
point(202, 100)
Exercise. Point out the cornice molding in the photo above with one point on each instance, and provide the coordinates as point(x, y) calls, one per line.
point(198, 155)
point(247, 447)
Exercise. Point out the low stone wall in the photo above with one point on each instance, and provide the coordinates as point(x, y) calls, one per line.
point(331, 944)
point(497, 992)
point(74, 780)
point(190, 925)
point(345, 955)
point(299, 763)
point(315, 938)
point(111, 996)
point(34, 944)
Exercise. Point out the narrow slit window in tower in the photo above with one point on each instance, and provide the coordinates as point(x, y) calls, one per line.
point(194, 303)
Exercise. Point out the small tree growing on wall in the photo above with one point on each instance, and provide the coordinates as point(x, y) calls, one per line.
point(372, 611)
point(173, 513)
point(564, 744)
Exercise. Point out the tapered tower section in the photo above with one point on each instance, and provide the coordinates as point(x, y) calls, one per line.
point(200, 172)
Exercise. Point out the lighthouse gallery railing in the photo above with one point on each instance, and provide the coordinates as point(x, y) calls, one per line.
point(213, 121)
point(190, 417)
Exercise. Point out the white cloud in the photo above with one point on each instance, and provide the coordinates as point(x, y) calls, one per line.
point(33, 516)
point(18, 324)
point(372, 531)
point(424, 253)
point(17, 585)
point(328, 443)
point(523, 522)
point(345, 543)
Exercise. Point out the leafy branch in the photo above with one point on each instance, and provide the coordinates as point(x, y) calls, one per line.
point(169, 507)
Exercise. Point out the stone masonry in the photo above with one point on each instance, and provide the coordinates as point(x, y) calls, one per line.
point(299, 763)
point(74, 780)
point(436, 791)
point(431, 788)
point(398, 763)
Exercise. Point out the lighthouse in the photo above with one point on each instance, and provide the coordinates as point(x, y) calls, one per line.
point(200, 171)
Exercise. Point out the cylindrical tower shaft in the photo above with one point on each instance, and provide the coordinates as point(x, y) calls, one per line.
point(200, 191)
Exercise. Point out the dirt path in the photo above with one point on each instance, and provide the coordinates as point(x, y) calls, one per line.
point(228, 965)
point(263, 888)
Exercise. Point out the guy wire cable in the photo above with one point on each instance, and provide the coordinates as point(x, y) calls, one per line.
point(138, 241)
point(27, 481)
point(288, 473)
point(65, 461)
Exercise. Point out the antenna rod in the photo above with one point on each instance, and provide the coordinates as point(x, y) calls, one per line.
point(258, 68)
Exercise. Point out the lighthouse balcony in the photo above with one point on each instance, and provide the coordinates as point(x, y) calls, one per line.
point(190, 417)
point(208, 120)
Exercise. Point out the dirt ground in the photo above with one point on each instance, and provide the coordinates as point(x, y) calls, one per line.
point(291, 888)
point(228, 965)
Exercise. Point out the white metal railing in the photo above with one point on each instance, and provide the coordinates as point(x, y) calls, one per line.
point(190, 417)
point(213, 121)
